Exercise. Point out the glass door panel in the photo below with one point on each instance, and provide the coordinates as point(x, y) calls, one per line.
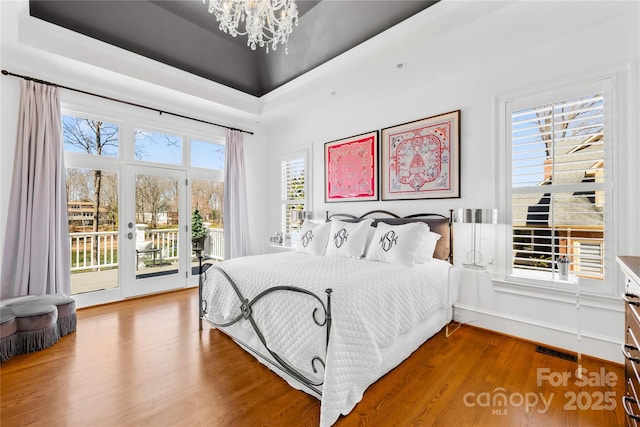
point(92, 207)
point(207, 197)
point(156, 230)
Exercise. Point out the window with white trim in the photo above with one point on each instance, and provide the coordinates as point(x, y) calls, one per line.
point(557, 191)
point(293, 192)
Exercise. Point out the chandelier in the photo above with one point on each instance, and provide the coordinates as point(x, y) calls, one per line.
point(266, 22)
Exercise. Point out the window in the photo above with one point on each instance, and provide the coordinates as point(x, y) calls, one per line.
point(557, 187)
point(90, 136)
point(207, 197)
point(207, 155)
point(293, 192)
point(157, 147)
point(113, 150)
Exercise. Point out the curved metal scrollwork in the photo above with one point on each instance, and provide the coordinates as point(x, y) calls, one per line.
point(246, 312)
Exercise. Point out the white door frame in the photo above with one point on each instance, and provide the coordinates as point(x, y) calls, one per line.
point(129, 283)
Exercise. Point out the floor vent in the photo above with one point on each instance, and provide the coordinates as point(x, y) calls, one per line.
point(556, 353)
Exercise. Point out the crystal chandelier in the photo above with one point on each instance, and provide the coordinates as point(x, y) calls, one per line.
point(266, 22)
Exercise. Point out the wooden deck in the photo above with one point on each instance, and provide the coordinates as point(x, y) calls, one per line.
point(92, 281)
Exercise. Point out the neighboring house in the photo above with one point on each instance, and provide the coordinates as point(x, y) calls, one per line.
point(161, 218)
point(81, 214)
point(575, 228)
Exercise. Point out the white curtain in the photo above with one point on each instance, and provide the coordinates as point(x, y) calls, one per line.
point(36, 254)
point(236, 217)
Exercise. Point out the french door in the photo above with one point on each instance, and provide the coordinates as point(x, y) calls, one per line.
point(155, 224)
point(137, 242)
point(129, 203)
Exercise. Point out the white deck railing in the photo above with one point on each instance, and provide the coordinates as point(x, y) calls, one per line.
point(214, 245)
point(87, 256)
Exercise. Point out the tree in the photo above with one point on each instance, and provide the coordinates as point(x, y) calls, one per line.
point(155, 195)
point(92, 137)
point(207, 197)
point(198, 230)
point(568, 126)
point(110, 197)
point(77, 185)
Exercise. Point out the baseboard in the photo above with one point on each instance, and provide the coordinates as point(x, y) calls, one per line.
point(592, 345)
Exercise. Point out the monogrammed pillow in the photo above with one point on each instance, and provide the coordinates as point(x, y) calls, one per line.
point(348, 239)
point(313, 237)
point(397, 244)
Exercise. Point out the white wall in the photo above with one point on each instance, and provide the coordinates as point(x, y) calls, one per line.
point(528, 56)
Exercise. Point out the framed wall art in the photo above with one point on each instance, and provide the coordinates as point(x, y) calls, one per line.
point(351, 168)
point(421, 159)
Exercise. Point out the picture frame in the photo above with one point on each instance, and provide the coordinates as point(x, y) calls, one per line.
point(421, 159)
point(351, 168)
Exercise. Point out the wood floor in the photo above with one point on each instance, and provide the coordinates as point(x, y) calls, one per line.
point(143, 362)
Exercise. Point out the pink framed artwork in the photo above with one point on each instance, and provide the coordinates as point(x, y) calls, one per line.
point(351, 168)
point(421, 159)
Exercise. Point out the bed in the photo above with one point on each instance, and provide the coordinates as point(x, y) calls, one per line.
point(329, 319)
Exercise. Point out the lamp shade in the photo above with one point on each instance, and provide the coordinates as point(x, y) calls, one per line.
point(476, 216)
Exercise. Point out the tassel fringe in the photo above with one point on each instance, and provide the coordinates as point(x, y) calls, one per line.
point(67, 324)
point(8, 347)
point(37, 340)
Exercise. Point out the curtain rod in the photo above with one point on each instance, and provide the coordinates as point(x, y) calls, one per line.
point(7, 73)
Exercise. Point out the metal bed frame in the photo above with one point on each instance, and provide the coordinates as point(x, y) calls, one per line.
point(321, 314)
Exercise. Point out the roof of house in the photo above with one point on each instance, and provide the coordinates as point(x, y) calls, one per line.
point(575, 161)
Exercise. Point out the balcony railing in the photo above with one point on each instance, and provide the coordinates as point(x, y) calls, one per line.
point(214, 245)
point(86, 256)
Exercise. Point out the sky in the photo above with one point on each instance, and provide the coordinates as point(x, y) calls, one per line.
point(148, 145)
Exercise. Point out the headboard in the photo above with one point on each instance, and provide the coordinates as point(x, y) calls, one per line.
point(438, 223)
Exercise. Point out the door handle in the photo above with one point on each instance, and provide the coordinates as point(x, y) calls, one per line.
point(130, 236)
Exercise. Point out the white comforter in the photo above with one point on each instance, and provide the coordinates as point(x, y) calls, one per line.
point(372, 304)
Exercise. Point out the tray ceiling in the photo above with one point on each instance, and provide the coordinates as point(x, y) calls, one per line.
point(182, 34)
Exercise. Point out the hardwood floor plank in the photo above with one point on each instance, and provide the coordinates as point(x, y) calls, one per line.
point(144, 362)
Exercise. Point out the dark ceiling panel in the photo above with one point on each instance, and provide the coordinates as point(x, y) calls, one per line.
point(196, 12)
point(330, 30)
point(151, 31)
point(184, 35)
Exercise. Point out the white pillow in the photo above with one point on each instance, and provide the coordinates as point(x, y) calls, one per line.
point(313, 237)
point(348, 239)
point(427, 248)
point(398, 244)
point(372, 231)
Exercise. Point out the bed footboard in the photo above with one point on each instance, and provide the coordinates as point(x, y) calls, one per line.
point(321, 317)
